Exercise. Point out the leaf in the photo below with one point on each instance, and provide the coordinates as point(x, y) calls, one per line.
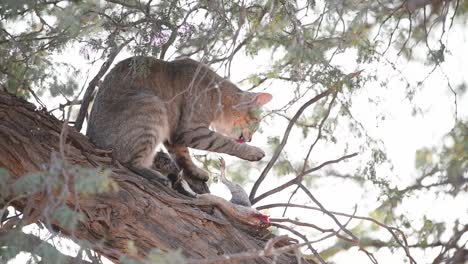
point(67, 217)
point(128, 260)
point(92, 181)
point(131, 248)
point(283, 167)
point(170, 257)
point(29, 184)
point(424, 158)
point(305, 131)
point(273, 142)
point(240, 172)
point(4, 179)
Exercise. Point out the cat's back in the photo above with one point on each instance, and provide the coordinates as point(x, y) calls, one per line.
point(132, 74)
point(142, 78)
point(164, 79)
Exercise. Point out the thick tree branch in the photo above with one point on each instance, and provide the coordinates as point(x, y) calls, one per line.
point(150, 215)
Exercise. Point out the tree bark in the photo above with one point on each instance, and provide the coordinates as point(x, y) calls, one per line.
point(150, 215)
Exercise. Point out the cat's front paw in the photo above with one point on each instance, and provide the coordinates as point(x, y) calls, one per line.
point(253, 154)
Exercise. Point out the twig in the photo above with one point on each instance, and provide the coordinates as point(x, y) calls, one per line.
point(307, 242)
point(299, 223)
point(312, 197)
point(32, 243)
point(87, 98)
point(392, 230)
point(283, 142)
point(319, 136)
point(299, 178)
point(268, 251)
point(289, 200)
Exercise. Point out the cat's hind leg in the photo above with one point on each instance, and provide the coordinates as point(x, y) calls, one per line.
point(141, 126)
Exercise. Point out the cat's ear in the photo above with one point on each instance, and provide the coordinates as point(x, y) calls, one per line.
point(262, 98)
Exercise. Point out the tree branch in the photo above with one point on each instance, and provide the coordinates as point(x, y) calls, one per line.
point(142, 211)
point(395, 232)
point(34, 245)
point(299, 178)
point(283, 143)
point(87, 98)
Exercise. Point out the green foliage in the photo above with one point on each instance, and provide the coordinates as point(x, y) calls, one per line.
point(430, 231)
point(240, 172)
point(93, 181)
point(65, 89)
point(273, 142)
point(4, 179)
point(453, 157)
point(158, 257)
point(283, 167)
point(208, 163)
point(302, 40)
point(424, 158)
point(171, 257)
point(67, 217)
point(446, 164)
point(15, 241)
point(256, 112)
point(30, 183)
point(54, 210)
point(131, 248)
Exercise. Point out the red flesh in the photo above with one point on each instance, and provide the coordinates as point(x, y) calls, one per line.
point(240, 140)
point(264, 218)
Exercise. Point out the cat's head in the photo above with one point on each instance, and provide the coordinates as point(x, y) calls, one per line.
point(241, 116)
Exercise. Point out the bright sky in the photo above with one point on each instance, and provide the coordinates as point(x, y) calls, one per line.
point(401, 132)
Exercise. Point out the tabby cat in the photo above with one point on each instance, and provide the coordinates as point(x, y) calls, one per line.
point(144, 101)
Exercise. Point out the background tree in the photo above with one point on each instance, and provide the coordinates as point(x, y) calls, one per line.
point(326, 58)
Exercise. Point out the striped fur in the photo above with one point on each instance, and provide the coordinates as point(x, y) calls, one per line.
point(144, 102)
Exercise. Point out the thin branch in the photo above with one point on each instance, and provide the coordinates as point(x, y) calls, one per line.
point(87, 98)
point(299, 223)
point(299, 178)
point(31, 243)
point(289, 200)
point(449, 245)
point(392, 230)
point(312, 197)
point(283, 142)
point(319, 134)
point(269, 250)
point(307, 242)
point(328, 163)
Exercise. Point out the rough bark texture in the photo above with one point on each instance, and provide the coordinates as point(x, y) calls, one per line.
point(145, 212)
